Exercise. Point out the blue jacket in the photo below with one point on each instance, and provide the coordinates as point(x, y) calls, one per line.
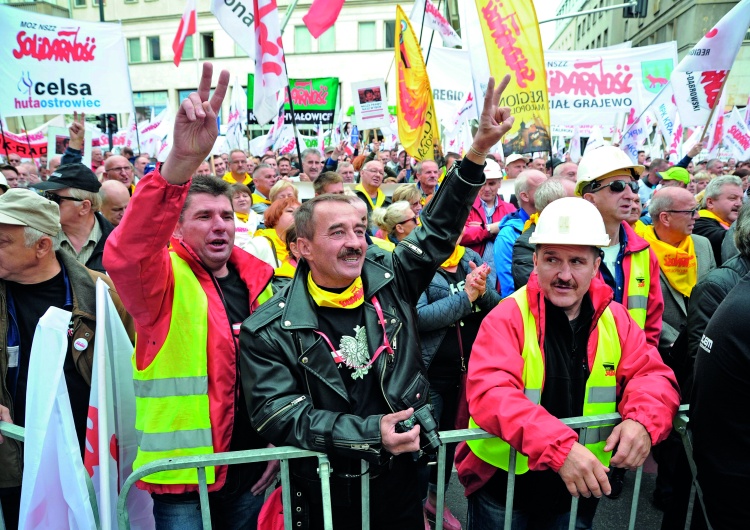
point(511, 227)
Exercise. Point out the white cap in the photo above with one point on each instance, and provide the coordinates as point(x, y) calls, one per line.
point(512, 158)
point(492, 170)
point(570, 221)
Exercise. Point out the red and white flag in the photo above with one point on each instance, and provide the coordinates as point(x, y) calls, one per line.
point(278, 123)
point(700, 76)
point(635, 136)
point(574, 149)
point(434, 20)
point(270, 71)
point(188, 23)
point(322, 15)
point(464, 112)
point(737, 136)
point(716, 128)
point(321, 139)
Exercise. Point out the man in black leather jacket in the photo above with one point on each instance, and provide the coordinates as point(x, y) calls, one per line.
point(347, 402)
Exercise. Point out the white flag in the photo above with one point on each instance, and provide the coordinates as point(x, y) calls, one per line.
point(434, 20)
point(596, 139)
point(237, 116)
point(698, 78)
point(54, 494)
point(463, 111)
point(737, 135)
point(575, 146)
point(270, 70)
point(237, 20)
point(635, 136)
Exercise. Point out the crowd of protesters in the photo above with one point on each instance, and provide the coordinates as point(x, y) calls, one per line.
point(330, 323)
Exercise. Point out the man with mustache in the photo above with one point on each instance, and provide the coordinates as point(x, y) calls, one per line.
point(720, 208)
point(332, 363)
point(596, 361)
point(189, 288)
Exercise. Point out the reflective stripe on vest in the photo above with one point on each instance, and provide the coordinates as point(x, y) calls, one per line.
point(171, 394)
point(639, 284)
point(601, 389)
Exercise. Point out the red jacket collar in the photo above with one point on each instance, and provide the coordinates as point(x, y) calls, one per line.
point(635, 243)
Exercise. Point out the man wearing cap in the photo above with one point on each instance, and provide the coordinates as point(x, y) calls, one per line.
point(607, 178)
point(488, 209)
point(33, 278)
point(75, 189)
point(514, 164)
point(596, 361)
point(675, 177)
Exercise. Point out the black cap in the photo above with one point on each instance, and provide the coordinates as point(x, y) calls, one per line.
point(552, 163)
point(75, 176)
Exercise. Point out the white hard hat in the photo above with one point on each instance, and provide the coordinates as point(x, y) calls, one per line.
point(492, 170)
point(512, 158)
point(570, 221)
point(601, 162)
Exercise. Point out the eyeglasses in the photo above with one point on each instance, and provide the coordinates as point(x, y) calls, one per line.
point(407, 220)
point(57, 199)
point(122, 168)
point(692, 213)
point(616, 186)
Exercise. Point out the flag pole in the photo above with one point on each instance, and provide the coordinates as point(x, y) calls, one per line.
point(644, 110)
point(28, 141)
point(718, 102)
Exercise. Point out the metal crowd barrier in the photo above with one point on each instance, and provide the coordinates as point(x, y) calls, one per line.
point(285, 454)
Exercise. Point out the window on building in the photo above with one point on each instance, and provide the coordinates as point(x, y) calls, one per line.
point(134, 50)
point(154, 50)
point(366, 36)
point(390, 34)
point(327, 41)
point(605, 38)
point(95, 3)
point(149, 103)
point(302, 40)
point(79, 3)
point(207, 45)
point(188, 51)
point(131, 1)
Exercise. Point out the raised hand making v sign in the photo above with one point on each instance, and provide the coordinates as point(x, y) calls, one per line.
point(494, 122)
point(195, 128)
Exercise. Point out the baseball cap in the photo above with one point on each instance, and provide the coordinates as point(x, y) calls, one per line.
point(75, 176)
point(22, 207)
point(492, 170)
point(512, 158)
point(676, 173)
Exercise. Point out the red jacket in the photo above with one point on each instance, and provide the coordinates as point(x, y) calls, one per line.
point(137, 260)
point(655, 303)
point(646, 386)
point(475, 237)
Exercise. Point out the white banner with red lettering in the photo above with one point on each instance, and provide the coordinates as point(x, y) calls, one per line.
point(53, 65)
point(737, 135)
point(701, 74)
point(588, 87)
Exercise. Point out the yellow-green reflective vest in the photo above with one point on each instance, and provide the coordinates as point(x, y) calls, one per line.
point(600, 395)
point(638, 285)
point(171, 394)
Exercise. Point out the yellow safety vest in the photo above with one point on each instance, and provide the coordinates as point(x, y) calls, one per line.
point(171, 394)
point(638, 285)
point(601, 388)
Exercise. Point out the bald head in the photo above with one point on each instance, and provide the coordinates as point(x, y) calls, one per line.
point(566, 170)
point(53, 163)
point(118, 168)
point(115, 199)
point(525, 186)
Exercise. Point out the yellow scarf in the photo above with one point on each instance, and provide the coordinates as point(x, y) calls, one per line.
point(639, 227)
point(260, 199)
point(282, 254)
point(705, 214)
point(530, 221)
point(286, 270)
point(378, 202)
point(679, 264)
point(242, 216)
point(353, 296)
point(454, 258)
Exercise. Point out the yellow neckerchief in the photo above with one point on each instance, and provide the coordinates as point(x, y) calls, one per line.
point(383, 243)
point(530, 221)
point(259, 198)
point(242, 216)
point(454, 258)
point(378, 202)
point(353, 296)
point(679, 264)
point(228, 177)
point(705, 214)
point(282, 254)
point(286, 270)
point(638, 227)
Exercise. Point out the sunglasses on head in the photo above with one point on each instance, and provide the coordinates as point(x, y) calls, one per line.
point(616, 186)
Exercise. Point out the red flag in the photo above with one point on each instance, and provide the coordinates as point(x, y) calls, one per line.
point(187, 28)
point(322, 15)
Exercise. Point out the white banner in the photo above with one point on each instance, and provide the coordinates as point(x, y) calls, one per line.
point(737, 135)
point(54, 493)
point(52, 65)
point(370, 104)
point(449, 89)
point(237, 20)
point(587, 87)
point(434, 20)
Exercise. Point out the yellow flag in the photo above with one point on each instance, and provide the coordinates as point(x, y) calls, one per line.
point(511, 37)
point(417, 123)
